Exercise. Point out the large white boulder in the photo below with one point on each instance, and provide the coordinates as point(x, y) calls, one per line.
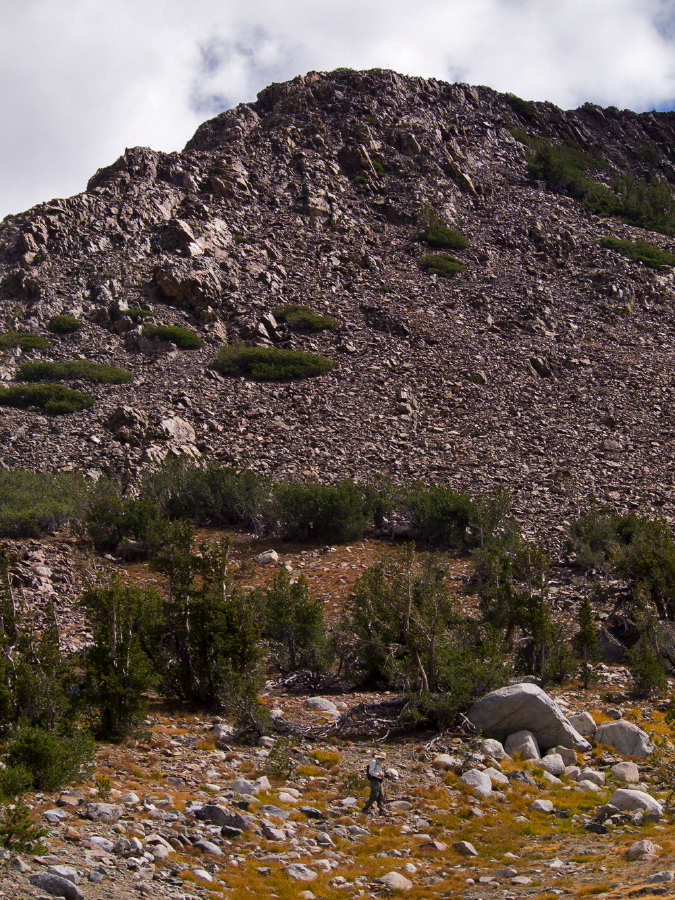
point(519, 707)
point(625, 737)
point(631, 801)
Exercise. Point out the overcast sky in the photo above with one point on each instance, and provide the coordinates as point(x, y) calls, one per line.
point(83, 79)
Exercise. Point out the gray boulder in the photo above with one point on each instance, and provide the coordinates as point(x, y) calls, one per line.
point(552, 763)
point(584, 723)
point(626, 800)
point(524, 743)
point(479, 781)
point(626, 771)
point(493, 748)
point(625, 737)
point(103, 812)
point(519, 707)
point(56, 886)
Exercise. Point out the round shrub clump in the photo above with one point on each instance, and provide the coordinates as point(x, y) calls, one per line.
point(184, 338)
point(441, 264)
point(53, 398)
point(64, 324)
point(25, 340)
point(99, 373)
point(270, 363)
point(444, 238)
point(304, 318)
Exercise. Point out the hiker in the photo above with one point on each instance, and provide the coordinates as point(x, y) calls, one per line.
point(376, 775)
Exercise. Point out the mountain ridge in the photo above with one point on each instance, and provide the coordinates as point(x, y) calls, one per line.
point(544, 366)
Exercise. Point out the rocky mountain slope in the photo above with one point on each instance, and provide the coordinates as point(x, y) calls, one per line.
point(545, 365)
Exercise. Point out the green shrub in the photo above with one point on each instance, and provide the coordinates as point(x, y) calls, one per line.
point(25, 340)
point(599, 536)
point(100, 373)
point(18, 831)
point(53, 760)
point(443, 237)
point(218, 495)
point(304, 318)
point(378, 165)
point(33, 503)
point(439, 514)
point(647, 670)
point(270, 363)
point(649, 254)
point(184, 338)
point(564, 167)
point(137, 314)
point(294, 625)
point(117, 670)
point(524, 108)
point(64, 324)
point(53, 398)
point(441, 264)
point(320, 512)
point(131, 528)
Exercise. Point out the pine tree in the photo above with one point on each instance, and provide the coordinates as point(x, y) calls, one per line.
point(586, 639)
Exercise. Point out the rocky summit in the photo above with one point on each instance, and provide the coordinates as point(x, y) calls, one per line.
point(543, 365)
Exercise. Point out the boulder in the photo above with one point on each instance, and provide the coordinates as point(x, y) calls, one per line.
point(298, 872)
point(584, 723)
point(177, 430)
point(593, 776)
point(56, 886)
point(568, 756)
point(447, 763)
point(519, 707)
point(626, 800)
point(396, 882)
point(544, 806)
point(523, 743)
point(320, 704)
point(626, 771)
point(465, 848)
point(479, 781)
point(495, 776)
point(642, 849)
point(242, 786)
point(493, 748)
point(624, 737)
point(552, 763)
point(103, 812)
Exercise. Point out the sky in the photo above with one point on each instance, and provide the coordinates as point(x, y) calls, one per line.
point(84, 79)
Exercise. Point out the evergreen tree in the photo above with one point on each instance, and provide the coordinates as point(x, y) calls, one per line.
point(586, 639)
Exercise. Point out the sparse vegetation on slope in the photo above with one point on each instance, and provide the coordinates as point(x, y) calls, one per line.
point(83, 369)
point(184, 338)
point(64, 324)
point(52, 398)
point(271, 363)
point(441, 264)
point(649, 254)
point(304, 317)
point(25, 340)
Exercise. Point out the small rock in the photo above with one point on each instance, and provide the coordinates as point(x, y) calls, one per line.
point(625, 737)
point(626, 771)
point(243, 786)
point(103, 812)
point(591, 775)
point(630, 801)
point(269, 557)
point(493, 748)
point(65, 872)
point(208, 847)
point(447, 763)
point(434, 845)
point(584, 723)
point(524, 743)
point(320, 704)
point(495, 776)
point(552, 763)
point(660, 877)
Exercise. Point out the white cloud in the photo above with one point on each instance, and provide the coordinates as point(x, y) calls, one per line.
point(84, 79)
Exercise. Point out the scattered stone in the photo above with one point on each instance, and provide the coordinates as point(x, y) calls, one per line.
point(493, 748)
point(299, 872)
point(396, 881)
point(320, 704)
point(269, 557)
point(544, 806)
point(626, 771)
point(447, 763)
point(584, 723)
point(103, 812)
point(552, 763)
point(522, 743)
point(660, 877)
point(630, 801)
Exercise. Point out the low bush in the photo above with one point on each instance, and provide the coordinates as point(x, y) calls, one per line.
point(524, 108)
point(565, 167)
point(441, 264)
point(53, 760)
point(100, 373)
point(649, 254)
point(321, 512)
point(294, 627)
point(34, 503)
point(52, 398)
point(304, 318)
point(184, 338)
point(137, 314)
point(132, 528)
point(64, 324)
point(443, 237)
point(218, 495)
point(25, 340)
point(439, 514)
point(270, 363)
